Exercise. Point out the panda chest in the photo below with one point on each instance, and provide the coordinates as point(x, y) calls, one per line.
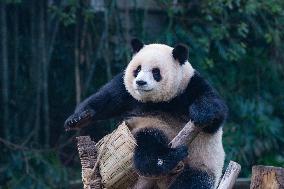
point(173, 109)
point(169, 126)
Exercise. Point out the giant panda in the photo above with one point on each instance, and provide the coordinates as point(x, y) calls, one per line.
point(157, 94)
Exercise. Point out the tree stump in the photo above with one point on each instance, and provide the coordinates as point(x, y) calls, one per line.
point(267, 177)
point(88, 156)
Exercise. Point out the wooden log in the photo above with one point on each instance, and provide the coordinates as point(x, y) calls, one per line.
point(231, 174)
point(88, 156)
point(184, 137)
point(267, 177)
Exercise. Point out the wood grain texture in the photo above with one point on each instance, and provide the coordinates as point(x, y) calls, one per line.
point(185, 136)
point(88, 156)
point(267, 177)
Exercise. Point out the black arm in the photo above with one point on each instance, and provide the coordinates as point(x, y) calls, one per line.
point(110, 101)
point(207, 109)
point(209, 113)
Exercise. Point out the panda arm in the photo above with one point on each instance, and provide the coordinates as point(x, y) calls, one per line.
point(110, 101)
point(207, 109)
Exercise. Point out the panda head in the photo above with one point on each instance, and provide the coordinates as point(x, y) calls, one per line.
point(157, 72)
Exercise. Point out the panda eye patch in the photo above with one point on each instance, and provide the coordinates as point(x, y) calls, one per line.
point(135, 72)
point(156, 74)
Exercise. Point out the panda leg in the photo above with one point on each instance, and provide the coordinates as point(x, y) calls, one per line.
point(192, 178)
point(153, 156)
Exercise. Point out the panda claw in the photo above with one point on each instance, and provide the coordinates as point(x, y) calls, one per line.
point(67, 128)
point(78, 120)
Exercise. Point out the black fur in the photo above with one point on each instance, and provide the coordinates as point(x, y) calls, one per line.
point(156, 74)
point(136, 71)
point(192, 178)
point(152, 147)
point(180, 53)
point(136, 45)
point(206, 108)
point(84, 118)
point(199, 103)
point(110, 101)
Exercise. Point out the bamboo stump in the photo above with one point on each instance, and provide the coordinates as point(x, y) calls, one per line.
point(267, 177)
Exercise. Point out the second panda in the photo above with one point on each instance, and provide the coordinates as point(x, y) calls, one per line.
point(157, 94)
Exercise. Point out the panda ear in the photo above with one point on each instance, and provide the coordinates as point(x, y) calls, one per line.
point(180, 53)
point(136, 45)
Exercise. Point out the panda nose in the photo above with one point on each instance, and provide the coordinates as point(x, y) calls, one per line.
point(141, 82)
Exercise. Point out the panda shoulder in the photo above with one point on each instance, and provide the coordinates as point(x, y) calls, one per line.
point(198, 85)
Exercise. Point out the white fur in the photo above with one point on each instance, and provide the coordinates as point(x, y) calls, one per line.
point(206, 152)
point(146, 76)
point(175, 77)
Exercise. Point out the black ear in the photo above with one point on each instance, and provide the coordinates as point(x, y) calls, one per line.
point(136, 45)
point(180, 53)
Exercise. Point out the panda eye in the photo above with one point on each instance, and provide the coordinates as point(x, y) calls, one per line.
point(156, 74)
point(135, 72)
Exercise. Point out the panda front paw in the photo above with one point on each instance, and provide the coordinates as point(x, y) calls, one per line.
point(152, 156)
point(78, 120)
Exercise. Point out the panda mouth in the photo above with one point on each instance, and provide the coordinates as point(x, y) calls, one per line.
point(144, 90)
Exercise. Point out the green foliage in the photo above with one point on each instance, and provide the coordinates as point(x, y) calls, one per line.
point(237, 45)
point(66, 17)
point(34, 169)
